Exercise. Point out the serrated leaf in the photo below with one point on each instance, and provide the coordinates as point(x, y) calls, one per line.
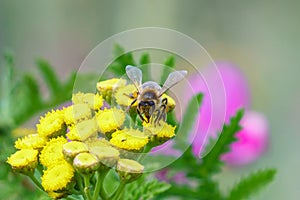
point(251, 184)
point(211, 162)
point(144, 60)
point(49, 76)
point(188, 121)
point(33, 89)
point(169, 62)
point(145, 189)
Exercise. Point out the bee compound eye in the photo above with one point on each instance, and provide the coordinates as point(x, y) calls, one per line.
point(151, 103)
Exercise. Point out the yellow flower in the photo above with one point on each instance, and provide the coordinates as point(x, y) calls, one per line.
point(20, 132)
point(123, 95)
point(110, 119)
point(56, 195)
point(129, 139)
point(57, 177)
point(52, 153)
point(32, 141)
point(83, 130)
point(24, 160)
point(110, 85)
point(71, 149)
point(97, 142)
point(52, 125)
point(76, 113)
point(171, 102)
point(159, 133)
point(94, 101)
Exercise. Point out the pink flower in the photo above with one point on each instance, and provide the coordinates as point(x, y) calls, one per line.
point(251, 141)
point(219, 106)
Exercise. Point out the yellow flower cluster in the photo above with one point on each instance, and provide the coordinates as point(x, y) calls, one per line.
point(88, 135)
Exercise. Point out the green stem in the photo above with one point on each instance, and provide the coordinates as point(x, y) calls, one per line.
point(79, 179)
point(99, 186)
point(119, 191)
point(87, 186)
point(36, 182)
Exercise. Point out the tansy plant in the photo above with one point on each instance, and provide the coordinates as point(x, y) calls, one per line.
point(75, 147)
point(92, 149)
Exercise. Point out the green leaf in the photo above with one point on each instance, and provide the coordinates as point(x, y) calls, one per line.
point(211, 163)
point(188, 121)
point(251, 184)
point(144, 60)
point(122, 59)
point(33, 89)
point(49, 76)
point(169, 62)
point(145, 189)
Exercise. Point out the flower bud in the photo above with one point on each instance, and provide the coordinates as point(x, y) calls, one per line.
point(73, 148)
point(129, 170)
point(86, 163)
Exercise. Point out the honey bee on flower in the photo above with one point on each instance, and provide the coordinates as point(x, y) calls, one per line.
point(149, 94)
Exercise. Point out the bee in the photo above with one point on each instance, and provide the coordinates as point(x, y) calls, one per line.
point(148, 95)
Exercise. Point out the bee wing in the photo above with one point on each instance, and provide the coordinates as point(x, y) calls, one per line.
point(135, 75)
point(172, 79)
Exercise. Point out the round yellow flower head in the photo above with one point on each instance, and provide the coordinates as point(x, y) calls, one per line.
point(129, 139)
point(71, 149)
point(76, 113)
point(52, 153)
point(107, 155)
point(110, 85)
point(83, 130)
point(110, 119)
point(129, 170)
point(24, 161)
point(123, 95)
point(159, 133)
point(97, 142)
point(58, 177)
point(86, 163)
point(52, 125)
point(94, 101)
point(32, 141)
point(57, 195)
point(171, 102)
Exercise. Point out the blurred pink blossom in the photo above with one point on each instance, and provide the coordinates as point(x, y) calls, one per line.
point(252, 140)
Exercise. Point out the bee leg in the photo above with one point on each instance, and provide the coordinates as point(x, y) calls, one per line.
point(163, 113)
point(141, 116)
point(127, 109)
point(156, 121)
point(164, 101)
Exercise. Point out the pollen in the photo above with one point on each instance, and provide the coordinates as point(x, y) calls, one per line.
point(83, 130)
point(94, 101)
point(110, 119)
point(123, 95)
point(52, 124)
point(129, 139)
point(110, 85)
point(163, 130)
point(24, 160)
point(57, 177)
point(32, 141)
point(76, 113)
point(52, 153)
point(171, 102)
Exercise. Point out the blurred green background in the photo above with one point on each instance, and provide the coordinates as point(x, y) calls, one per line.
point(261, 37)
